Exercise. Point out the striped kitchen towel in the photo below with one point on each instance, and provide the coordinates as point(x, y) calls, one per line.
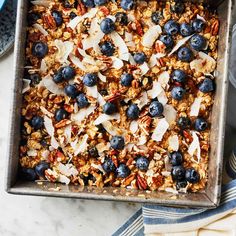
point(166, 221)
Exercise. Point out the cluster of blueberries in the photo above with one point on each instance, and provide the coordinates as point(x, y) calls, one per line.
point(181, 175)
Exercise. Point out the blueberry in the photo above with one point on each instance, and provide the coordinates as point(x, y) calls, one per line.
point(207, 86)
point(122, 171)
point(41, 167)
point(192, 176)
point(179, 76)
point(198, 42)
point(122, 18)
point(133, 112)
point(39, 49)
point(90, 80)
point(126, 79)
point(184, 122)
point(156, 109)
point(142, 163)
point(108, 165)
point(100, 2)
point(186, 29)
point(176, 158)
point(107, 48)
point(57, 17)
point(181, 184)
point(140, 57)
point(93, 152)
point(178, 173)
point(33, 17)
point(167, 40)
point(185, 54)
point(82, 100)
point(201, 124)
point(35, 78)
point(107, 26)
point(28, 174)
point(72, 15)
point(127, 4)
point(156, 17)
point(117, 142)
point(37, 122)
point(103, 92)
point(178, 8)
point(71, 91)
point(58, 78)
point(171, 27)
point(68, 72)
point(198, 25)
point(60, 114)
point(109, 108)
point(89, 3)
point(177, 93)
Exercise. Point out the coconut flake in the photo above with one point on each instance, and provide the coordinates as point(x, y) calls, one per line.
point(123, 50)
point(179, 44)
point(74, 22)
point(133, 126)
point(40, 28)
point(104, 117)
point(144, 68)
point(87, 58)
point(142, 140)
point(171, 190)
point(174, 142)
point(63, 179)
point(43, 66)
point(76, 61)
point(154, 59)
point(102, 77)
point(92, 91)
point(101, 147)
point(26, 85)
point(46, 112)
point(170, 113)
point(117, 63)
point(32, 153)
point(81, 146)
point(67, 169)
point(195, 107)
point(151, 36)
point(164, 78)
point(129, 40)
point(82, 114)
point(51, 86)
point(142, 100)
point(41, 3)
point(67, 133)
point(160, 130)
point(64, 50)
point(168, 166)
point(201, 18)
point(112, 130)
point(155, 91)
point(98, 167)
point(204, 64)
point(195, 147)
point(49, 126)
point(162, 98)
point(101, 100)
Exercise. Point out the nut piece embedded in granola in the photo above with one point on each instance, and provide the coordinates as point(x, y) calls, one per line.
point(119, 95)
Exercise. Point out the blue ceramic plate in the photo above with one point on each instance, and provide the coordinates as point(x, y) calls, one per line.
point(7, 25)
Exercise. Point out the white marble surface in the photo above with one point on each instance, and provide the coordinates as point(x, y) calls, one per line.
point(27, 215)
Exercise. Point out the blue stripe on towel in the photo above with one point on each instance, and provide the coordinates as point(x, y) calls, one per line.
point(133, 227)
point(159, 215)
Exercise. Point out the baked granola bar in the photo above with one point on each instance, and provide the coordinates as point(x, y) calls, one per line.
point(119, 93)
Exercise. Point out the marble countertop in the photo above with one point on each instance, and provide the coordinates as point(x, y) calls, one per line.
point(27, 215)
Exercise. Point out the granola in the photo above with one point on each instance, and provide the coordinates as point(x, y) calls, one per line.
point(119, 93)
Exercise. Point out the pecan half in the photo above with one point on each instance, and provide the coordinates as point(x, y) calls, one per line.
point(187, 135)
point(137, 27)
point(62, 123)
point(160, 47)
point(128, 180)
point(141, 182)
point(49, 21)
point(215, 27)
point(81, 8)
point(113, 97)
point(104, 10)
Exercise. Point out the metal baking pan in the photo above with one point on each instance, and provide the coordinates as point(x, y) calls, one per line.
point(209, 198)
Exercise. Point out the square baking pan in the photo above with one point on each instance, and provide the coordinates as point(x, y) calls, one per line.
point(208, 198)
